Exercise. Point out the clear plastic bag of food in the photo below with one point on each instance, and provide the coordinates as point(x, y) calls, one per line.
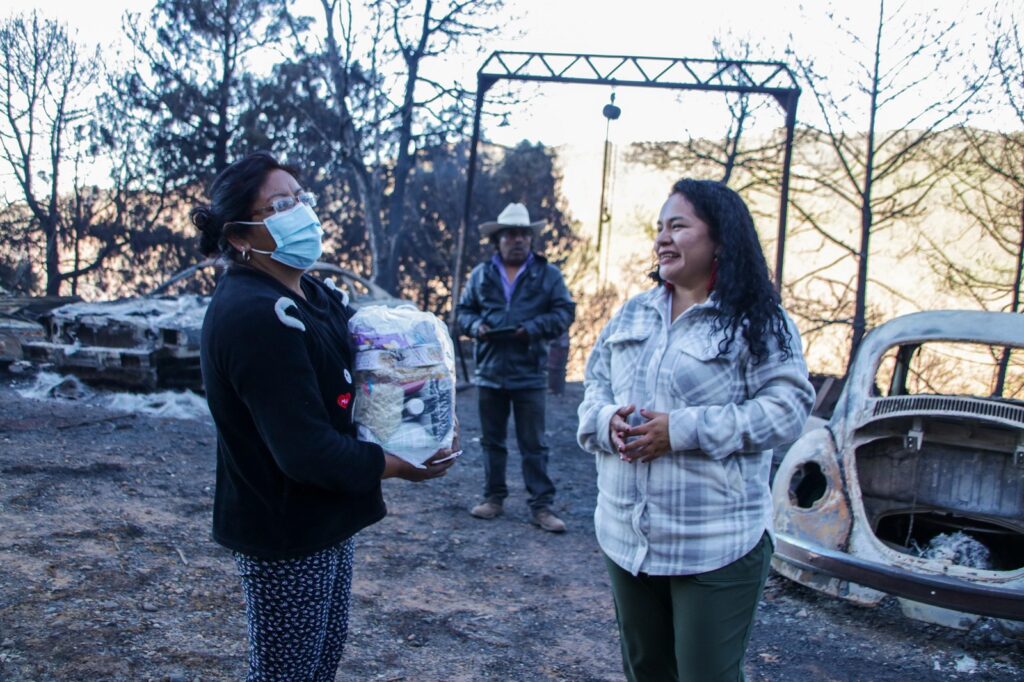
point(405, 381)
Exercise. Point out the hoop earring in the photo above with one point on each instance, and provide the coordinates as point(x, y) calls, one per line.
point(714, 275)
point(246, 256)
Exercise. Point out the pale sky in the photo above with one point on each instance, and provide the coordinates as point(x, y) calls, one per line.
point(570, 115)
point(560, 114)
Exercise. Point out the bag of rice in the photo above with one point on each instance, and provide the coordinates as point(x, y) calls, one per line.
point(405, 381)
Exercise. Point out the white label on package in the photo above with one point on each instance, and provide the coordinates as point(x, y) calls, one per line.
point(420, 356)
point(373, 359)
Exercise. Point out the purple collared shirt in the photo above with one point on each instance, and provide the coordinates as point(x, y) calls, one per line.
point(510, 285)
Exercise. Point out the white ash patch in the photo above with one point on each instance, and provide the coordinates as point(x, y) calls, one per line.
point(169, 404)
point(50, 386)
point(957, 548)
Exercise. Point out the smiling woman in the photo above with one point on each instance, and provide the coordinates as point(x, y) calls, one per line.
point(688, 388)
point(687, 255)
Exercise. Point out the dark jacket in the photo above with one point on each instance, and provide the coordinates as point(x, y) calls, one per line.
point(540, 303)
point(292, 478)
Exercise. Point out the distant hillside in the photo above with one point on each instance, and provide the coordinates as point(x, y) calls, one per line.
point(902, 278)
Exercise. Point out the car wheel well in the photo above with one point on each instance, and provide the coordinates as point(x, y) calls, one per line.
point(807, 485)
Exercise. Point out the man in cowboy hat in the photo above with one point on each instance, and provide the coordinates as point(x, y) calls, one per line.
point(514, 304)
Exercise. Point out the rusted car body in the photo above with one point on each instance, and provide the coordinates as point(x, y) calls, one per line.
point(911, 490)
point(14, 332)
point(152, 342)
point(19, 321)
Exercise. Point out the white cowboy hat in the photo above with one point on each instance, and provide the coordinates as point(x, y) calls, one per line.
point(514, 215)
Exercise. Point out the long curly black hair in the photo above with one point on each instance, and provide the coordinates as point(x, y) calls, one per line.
point(747, 301)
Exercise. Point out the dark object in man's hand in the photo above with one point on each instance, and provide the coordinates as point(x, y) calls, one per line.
point(499, 333)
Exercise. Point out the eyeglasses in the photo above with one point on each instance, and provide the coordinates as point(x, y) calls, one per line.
point(282, 204)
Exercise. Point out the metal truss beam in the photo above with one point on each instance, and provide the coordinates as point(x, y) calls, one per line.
point(679, 73)
point(773, 79)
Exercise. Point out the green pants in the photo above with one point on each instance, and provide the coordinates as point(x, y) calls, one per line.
point(689, 628)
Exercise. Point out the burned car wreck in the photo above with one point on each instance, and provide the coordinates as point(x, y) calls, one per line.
point(915, 486)
point(19, 321)
point(152, 342)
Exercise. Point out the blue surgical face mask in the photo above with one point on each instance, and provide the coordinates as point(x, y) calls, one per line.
point(298, 236)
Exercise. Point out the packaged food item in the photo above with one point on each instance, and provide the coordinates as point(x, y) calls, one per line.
point(405, 381)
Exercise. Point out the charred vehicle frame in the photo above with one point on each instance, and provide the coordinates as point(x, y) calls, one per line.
point(151, 342)
point(858, 500)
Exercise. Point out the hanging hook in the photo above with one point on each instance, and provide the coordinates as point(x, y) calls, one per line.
point(610, 111)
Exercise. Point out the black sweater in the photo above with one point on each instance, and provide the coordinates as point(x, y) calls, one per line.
point(291, 477)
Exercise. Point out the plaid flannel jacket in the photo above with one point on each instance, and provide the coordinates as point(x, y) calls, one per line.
point(706, 503)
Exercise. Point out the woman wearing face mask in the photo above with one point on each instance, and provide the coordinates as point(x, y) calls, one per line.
point(294, 484)
point(688, 388)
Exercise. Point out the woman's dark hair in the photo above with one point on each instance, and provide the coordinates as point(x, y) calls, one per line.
point(232, 194)
point(746, 299)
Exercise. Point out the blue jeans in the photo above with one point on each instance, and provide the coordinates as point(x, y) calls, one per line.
point(528, 406)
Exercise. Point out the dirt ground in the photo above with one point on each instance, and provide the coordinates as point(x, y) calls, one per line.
point(107, 572)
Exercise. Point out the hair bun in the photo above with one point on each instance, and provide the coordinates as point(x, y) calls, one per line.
point(200, 217)
point(209, 231)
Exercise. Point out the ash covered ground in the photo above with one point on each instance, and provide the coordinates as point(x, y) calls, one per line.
point(107, 572)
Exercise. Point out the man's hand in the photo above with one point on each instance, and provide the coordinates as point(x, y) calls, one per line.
point(396, 467)
point(521, 333)
point(481, 330)
point(651, 438)
point(618, 426)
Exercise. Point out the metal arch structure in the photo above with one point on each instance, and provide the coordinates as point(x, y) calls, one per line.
point(679, 73)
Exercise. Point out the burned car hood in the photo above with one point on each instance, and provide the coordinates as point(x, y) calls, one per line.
point(144, 317)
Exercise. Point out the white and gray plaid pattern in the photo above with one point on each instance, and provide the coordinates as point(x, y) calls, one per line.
point(707, 503)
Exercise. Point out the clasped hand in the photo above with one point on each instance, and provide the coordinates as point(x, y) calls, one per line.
point(643, 443)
